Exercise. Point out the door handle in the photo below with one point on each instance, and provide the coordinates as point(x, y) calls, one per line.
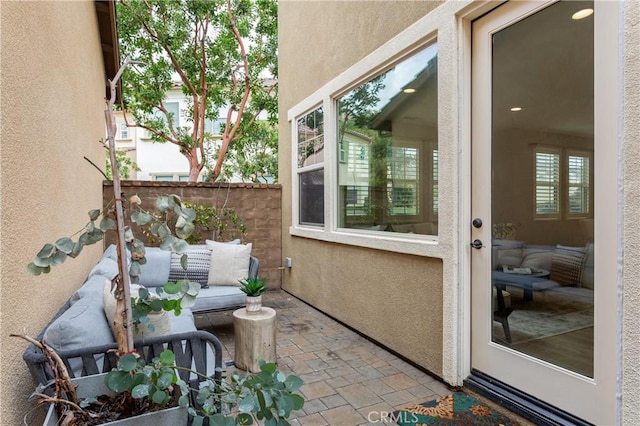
point(477, 244)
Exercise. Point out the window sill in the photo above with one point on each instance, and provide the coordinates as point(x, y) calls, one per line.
point(415, 244)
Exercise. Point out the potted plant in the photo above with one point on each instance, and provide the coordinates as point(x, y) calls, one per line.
point(253, 288)
point(171, 224)
point(265, 396)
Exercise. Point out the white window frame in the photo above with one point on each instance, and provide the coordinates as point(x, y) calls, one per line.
point(124, 131)
point(415, 39)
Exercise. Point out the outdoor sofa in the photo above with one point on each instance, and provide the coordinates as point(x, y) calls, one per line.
point(81, 335)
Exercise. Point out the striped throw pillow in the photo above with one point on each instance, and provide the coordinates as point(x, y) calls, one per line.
point(198, 260)
point(566, 265)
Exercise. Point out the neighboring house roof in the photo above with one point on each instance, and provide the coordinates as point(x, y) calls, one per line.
point(427, 76)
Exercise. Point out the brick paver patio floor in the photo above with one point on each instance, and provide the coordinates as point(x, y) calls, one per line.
point(348, 380)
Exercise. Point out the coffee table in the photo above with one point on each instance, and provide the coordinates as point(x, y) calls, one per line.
point(528, 282)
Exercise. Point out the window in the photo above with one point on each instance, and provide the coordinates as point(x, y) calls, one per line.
point(310, 167)
point(548, 183)
point(387, 133)
point(171, 177)
point(214, 127)
point(563, 183)
point(173, 108)
point(124, 131)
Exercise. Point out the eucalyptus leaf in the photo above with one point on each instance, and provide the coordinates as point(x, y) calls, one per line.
point(65, 245)
point(164, 231)
point(42, 262)
point(165, 380)
point(140, 391)
point(134, 269)
point(186, 230)
point(58, 258)
point(187, 301)
point(156, 305)
point(107, 224)
point(167, 357)
point(248, 404)
point(172, 288)
point(179, 246)
point(183, 261)
point(293, 383)
point(159, 397)
point(118, 381)
point(46, 251)
point(77, 248)
point(183, 401)
point(33, 269)
point(141, 218)
point(128, 362)
point(94, 214)
point(162, 203)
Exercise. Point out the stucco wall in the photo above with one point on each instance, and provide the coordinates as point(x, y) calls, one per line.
point(631, 263)
point(52, 115)
point(399, 302)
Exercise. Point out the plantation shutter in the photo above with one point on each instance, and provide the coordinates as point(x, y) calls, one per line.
point(547, 183)
point(578, 184)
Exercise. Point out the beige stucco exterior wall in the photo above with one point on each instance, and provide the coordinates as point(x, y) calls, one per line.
point(320, 40)
point(631, 261)
point(52, 115)
point(393, 298)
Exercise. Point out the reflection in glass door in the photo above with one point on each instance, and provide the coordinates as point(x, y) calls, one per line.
point(542, 190)
point(543, 172)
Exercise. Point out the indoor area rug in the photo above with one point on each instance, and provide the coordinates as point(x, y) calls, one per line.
point(456, 409)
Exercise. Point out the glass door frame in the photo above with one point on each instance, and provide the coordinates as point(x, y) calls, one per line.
point(596, 398)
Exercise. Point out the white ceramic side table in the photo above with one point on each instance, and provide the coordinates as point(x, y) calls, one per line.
point(255, 338)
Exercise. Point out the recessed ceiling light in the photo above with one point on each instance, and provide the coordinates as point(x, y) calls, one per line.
point(516, 109)
point(409, 90)
point(581, 14)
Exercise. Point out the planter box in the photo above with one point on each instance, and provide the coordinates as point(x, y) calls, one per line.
point(94, 385)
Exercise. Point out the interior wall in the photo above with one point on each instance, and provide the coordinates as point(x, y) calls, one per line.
point(52, 103)
point(393, 298)
point(514, 188)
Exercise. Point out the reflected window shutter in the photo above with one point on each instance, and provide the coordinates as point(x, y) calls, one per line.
point(547, 183)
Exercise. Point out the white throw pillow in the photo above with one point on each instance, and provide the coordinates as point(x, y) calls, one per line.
point(229, 263)
point(159, 320)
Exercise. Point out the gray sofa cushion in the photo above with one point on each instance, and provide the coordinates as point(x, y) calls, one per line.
point(82, 325)
point(218, 298)
point(93, 286)
point(155, 273)
point(107, 267)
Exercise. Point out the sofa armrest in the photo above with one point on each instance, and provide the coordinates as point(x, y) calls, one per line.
point(190, 349)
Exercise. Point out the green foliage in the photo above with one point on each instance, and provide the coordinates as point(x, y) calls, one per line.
point(172, 297)
point(94, 231)
point(195, 41)
point(267, 396)
point(215, 223)
point(253, 286)
point(125, 165)
point(156, 380)
point(254, 155)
